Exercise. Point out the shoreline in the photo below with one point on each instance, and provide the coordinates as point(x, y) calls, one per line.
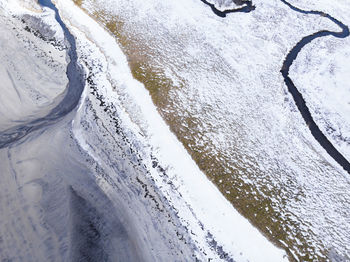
point(141, 66)
point(180, 145)
point(140, 97)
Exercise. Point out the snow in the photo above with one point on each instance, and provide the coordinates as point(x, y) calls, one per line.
point(200, 201)
point(33, 76)
point(229, 103)
point(223, 5)
point(321, 73)
point(232, 105)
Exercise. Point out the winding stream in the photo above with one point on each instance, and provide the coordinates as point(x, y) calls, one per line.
point(293, 90)
point(76, 85)
point(298, 97)
point(71, 98)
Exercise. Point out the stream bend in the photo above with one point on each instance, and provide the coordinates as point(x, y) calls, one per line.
point(298, 97)
point(292, 55)
point(71, 98)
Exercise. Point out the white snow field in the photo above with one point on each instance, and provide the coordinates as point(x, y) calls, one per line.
point(322, 72)
point(91, 185)
point(230, 103)
point(111, 181)
point(217, 229)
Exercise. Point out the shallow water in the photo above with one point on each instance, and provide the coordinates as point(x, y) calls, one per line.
point(69, 102)
point(57, 202)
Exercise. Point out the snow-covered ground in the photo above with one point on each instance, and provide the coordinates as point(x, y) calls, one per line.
point(93, 185)
point(111, 181)
point(226, 100)
point(217, 230)
point(56, 202)
point(223, 5)
point(321, 74)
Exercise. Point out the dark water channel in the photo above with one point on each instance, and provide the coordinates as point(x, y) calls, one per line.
point(298, 97)
point(292, 55)
point(72, 94)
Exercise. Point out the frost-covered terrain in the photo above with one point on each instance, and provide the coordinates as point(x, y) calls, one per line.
point(98, 166)
point(217, 83)
point(322, 73)
point(225, 5)
point(95, 182)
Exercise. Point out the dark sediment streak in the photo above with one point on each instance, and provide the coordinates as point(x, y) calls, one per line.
point(72, 94)
point(297, 96)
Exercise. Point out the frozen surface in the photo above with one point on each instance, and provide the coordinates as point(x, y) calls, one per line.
point(217, 230)
point(92, 185)
point(109, 181)
point(322, 72)
point(228, 103)
point(56, 202)
point(29, 95)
